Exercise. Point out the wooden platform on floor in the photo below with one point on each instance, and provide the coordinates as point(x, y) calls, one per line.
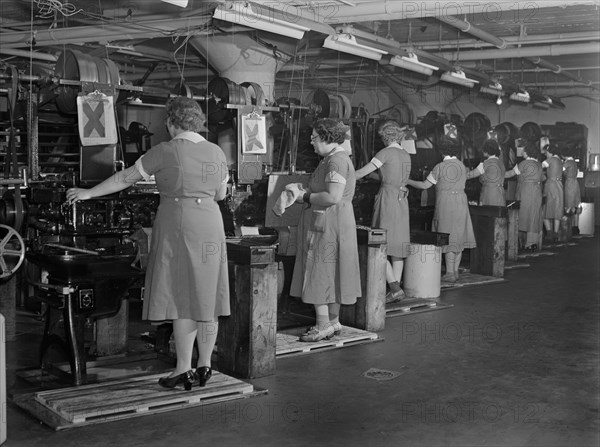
point(470, 279)
point(122, 399)
point(535, 254)
point(513, 265)
point(288, 342)
point(414, 305)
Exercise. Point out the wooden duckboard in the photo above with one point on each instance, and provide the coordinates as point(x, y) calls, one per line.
point(470, 279)
point(288, 341)
point(104, 402)
point(413, 305)
point(535, 254)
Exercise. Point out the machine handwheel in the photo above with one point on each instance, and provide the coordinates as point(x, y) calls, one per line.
point(12, 251)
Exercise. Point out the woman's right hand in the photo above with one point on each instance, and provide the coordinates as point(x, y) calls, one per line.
point(77, 194)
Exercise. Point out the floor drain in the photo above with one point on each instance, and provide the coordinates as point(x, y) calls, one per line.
point(381, 374)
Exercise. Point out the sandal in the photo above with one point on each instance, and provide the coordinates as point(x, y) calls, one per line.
point(314, 334)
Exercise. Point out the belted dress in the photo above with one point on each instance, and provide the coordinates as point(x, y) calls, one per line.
point(451, 214)
point(492, 182)
point(390, 210)
point(187, 273)
point(326, 269)
point(553, 188)
point(572, 189)
point(529, 192)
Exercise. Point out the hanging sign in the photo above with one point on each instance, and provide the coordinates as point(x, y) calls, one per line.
point(96, 119)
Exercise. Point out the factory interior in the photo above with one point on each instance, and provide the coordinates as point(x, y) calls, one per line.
point(506, 354)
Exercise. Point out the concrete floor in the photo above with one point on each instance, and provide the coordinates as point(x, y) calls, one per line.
point(513, 364)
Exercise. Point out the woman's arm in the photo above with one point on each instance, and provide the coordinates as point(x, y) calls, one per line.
point(365, 170)
point(117, 182)
point(425, 184)
point(221, 193)
point(510, 173)
point(333, 194)
point(472, 174)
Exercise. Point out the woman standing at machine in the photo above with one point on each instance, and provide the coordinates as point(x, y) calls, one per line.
point(326, 270)
point(390, 210)
point(553, 191)
point(451, 214)
point(529, 192)
point(491, 174)
point(572, 189)
point(187, 277)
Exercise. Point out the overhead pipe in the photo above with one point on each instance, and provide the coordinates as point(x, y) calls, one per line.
point(81, 34)
point(544, 39)
point(555, 50)
point(557, 69)
point(525, 52)
point(400, 10)
point(466, 27)
point(29, 54)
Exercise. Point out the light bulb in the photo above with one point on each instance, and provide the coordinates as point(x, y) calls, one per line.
point(499, 100)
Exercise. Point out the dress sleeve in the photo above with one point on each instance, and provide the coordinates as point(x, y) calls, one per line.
point(150, 162)
point(380, 158)
point(434, 175)
point(337, 170)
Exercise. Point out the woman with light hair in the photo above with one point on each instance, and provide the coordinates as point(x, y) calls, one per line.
point(390, 210)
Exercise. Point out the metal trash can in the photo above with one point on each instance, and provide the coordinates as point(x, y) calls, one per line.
point(586, 219)
point(422, 271)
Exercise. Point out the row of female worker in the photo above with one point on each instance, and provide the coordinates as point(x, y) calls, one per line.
point(326, 272)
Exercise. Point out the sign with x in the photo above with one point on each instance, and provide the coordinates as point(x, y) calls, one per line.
point(96, 119)
point(254, 134)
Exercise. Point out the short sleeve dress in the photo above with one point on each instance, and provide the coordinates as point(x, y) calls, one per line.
point(492, 182)
point(572, 189)
point(553, 188)
point(451, 214)
point(529, 192)
point(390, 210)
point(187, 274)
point(326, 268)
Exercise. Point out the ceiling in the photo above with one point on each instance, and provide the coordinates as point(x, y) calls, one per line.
point(546, 46)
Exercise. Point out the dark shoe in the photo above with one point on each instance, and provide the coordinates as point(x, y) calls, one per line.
point(202, 374)
point(575, 231)
point(187, 378)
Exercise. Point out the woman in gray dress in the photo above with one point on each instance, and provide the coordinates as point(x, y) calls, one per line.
point(491, 174)
point(451, 214)
point(553, 192)
point(187, 277)
point(390, 210)
point(326, 270)
point(529, 193)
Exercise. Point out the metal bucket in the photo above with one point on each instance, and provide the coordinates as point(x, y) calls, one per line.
point(594, 164)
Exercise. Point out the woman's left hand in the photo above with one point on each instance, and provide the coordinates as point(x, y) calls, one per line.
point(77, 194)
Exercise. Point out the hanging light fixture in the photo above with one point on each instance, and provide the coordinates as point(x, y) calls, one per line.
point(492, 89)
point(411, 62)
point(458, 77)
point(244, 14)
point(520, 96)
point(180, 3)
point(346, 43)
